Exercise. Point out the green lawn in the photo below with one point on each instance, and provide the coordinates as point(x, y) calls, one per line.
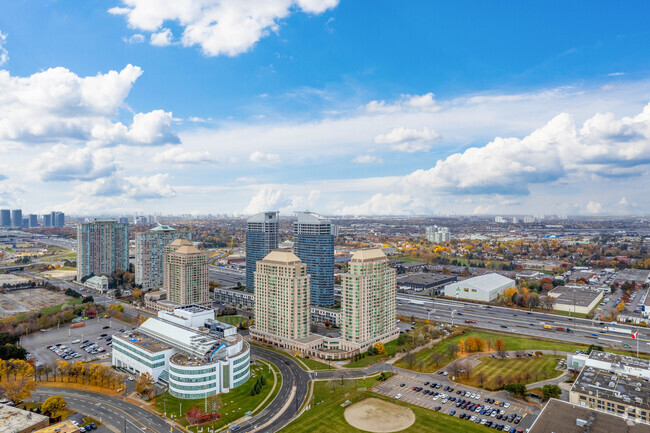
point(529, 370)
point(391, 349)
point(326, 413)
point(59, 257)
point(234, 404)
point(233, 320)
point(513, 342)
point(315, 365)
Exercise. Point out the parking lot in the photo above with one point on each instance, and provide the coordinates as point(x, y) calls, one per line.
point(437, 392)
point(37, 343)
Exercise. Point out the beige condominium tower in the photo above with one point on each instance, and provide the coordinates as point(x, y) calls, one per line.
point(186, 274)
point(368, 297)
point(282, 296)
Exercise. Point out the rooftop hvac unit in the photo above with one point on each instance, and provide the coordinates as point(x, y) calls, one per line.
point(581, 422)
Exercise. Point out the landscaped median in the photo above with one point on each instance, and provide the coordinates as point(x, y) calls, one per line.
point(304, 363)
point(231, 406)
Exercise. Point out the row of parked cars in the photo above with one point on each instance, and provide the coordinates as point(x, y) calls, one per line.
point(86, 428)
point(64, 351)
point(487, 423)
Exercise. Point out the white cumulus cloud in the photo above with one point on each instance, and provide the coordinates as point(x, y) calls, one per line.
point(219, 27)
point(63, 163)
point(594, 207)
point(162, 38)
point(57, 105)
point(408, 140)
point(264, 158)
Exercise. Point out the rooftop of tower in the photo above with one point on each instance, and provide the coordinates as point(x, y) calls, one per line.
point(285, 257)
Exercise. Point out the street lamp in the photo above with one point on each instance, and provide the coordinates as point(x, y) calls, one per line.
point(452, 317)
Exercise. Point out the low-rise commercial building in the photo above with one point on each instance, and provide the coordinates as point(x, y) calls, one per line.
point(99, 284)
point(559, 416)
point(191, 359)
point(14, 420)
point(239, 298)
point(482, 288)
point(579, 298)
point(432, 283)
point(615, 384)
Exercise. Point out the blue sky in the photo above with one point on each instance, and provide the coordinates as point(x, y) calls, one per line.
point(343, 107)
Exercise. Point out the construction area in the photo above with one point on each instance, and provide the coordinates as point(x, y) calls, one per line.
point(24, 301)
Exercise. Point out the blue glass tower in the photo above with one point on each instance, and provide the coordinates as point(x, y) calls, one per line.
point(261, 239)
point(314, 246)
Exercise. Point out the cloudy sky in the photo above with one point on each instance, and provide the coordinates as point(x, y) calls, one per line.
point(337, 106)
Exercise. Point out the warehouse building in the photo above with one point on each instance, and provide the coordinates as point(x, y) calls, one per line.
point(431, 283)
point(482, 288)
point(576, 299)
point(177, 348)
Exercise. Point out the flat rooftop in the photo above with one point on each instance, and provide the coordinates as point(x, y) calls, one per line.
point(425, 278)
point(616, 387)
point(143, 342)
point(570, 295)
point(13, 419)
point(561, 417)
point(637, 275)
point(620, 361)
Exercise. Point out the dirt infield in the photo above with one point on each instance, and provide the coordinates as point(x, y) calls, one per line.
point(375, 415)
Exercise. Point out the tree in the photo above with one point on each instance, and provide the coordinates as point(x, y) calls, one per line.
point(380, 348)
point(452, 350)
point(547, 302)
point(409, 358)
point(594, 347)
point(436, 358)
point(54, 406)
point(18, 382)
point(481, 377)
point(551, 391)
point(500, 344)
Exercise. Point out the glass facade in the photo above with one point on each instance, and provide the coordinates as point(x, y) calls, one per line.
point(317, 252)
point(261, 239)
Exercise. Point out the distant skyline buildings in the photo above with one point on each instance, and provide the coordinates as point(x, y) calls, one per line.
point(261, 238)
point(436, 234)
point(314, 245)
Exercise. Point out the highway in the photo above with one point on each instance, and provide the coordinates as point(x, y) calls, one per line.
point(226, 277)
point(524, 322)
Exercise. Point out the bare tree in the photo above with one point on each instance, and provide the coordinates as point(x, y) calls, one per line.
point(452, 350)
point(409, 358)
point(436, 358)
point(481, 378)
point(500, 381)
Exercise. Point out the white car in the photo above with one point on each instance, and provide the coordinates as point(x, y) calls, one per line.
point(75, 422)
point(506, 428)
point(435, 398)
point(478, 396)
point(75, 341)
point(473, 418)
point(131, 378)
point(398, 396)
point(506, 405)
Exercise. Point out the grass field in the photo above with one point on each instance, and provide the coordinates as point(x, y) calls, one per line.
point(529, 369)
point(315, 365)
point(513, 342)
point(391, 349)
point(59, 257)
point(234, 404)
point(233, 320)
point(326, 413)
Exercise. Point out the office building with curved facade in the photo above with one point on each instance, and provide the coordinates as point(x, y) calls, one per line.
point(185, 350)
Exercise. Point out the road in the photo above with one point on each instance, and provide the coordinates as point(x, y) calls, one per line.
point(122, 415)
point(226, 277)
point(504, 319)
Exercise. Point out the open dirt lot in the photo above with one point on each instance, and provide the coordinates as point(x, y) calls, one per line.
point(22, 301)
point(375, 415)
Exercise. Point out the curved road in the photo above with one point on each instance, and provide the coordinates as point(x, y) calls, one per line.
point(124, 416)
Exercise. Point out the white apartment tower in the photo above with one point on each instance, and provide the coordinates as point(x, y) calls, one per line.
point(437, 235)
point(282, 296)
point(186, 274)
point(150, 254)
point(368, 297)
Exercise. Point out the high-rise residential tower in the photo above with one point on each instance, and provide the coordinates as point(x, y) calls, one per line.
point(33, 220)
point(59, 219)
point(437, 234)
point(368, 297)
point(261, 239)
point(150, 254)
point(102, 247)
point(16, 218)
point(5, 218)
point(314, 246)
point(47, 220)
point(185, 274)
point(282, 296)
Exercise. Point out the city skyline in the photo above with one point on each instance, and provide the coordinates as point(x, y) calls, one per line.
point(326, 105)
